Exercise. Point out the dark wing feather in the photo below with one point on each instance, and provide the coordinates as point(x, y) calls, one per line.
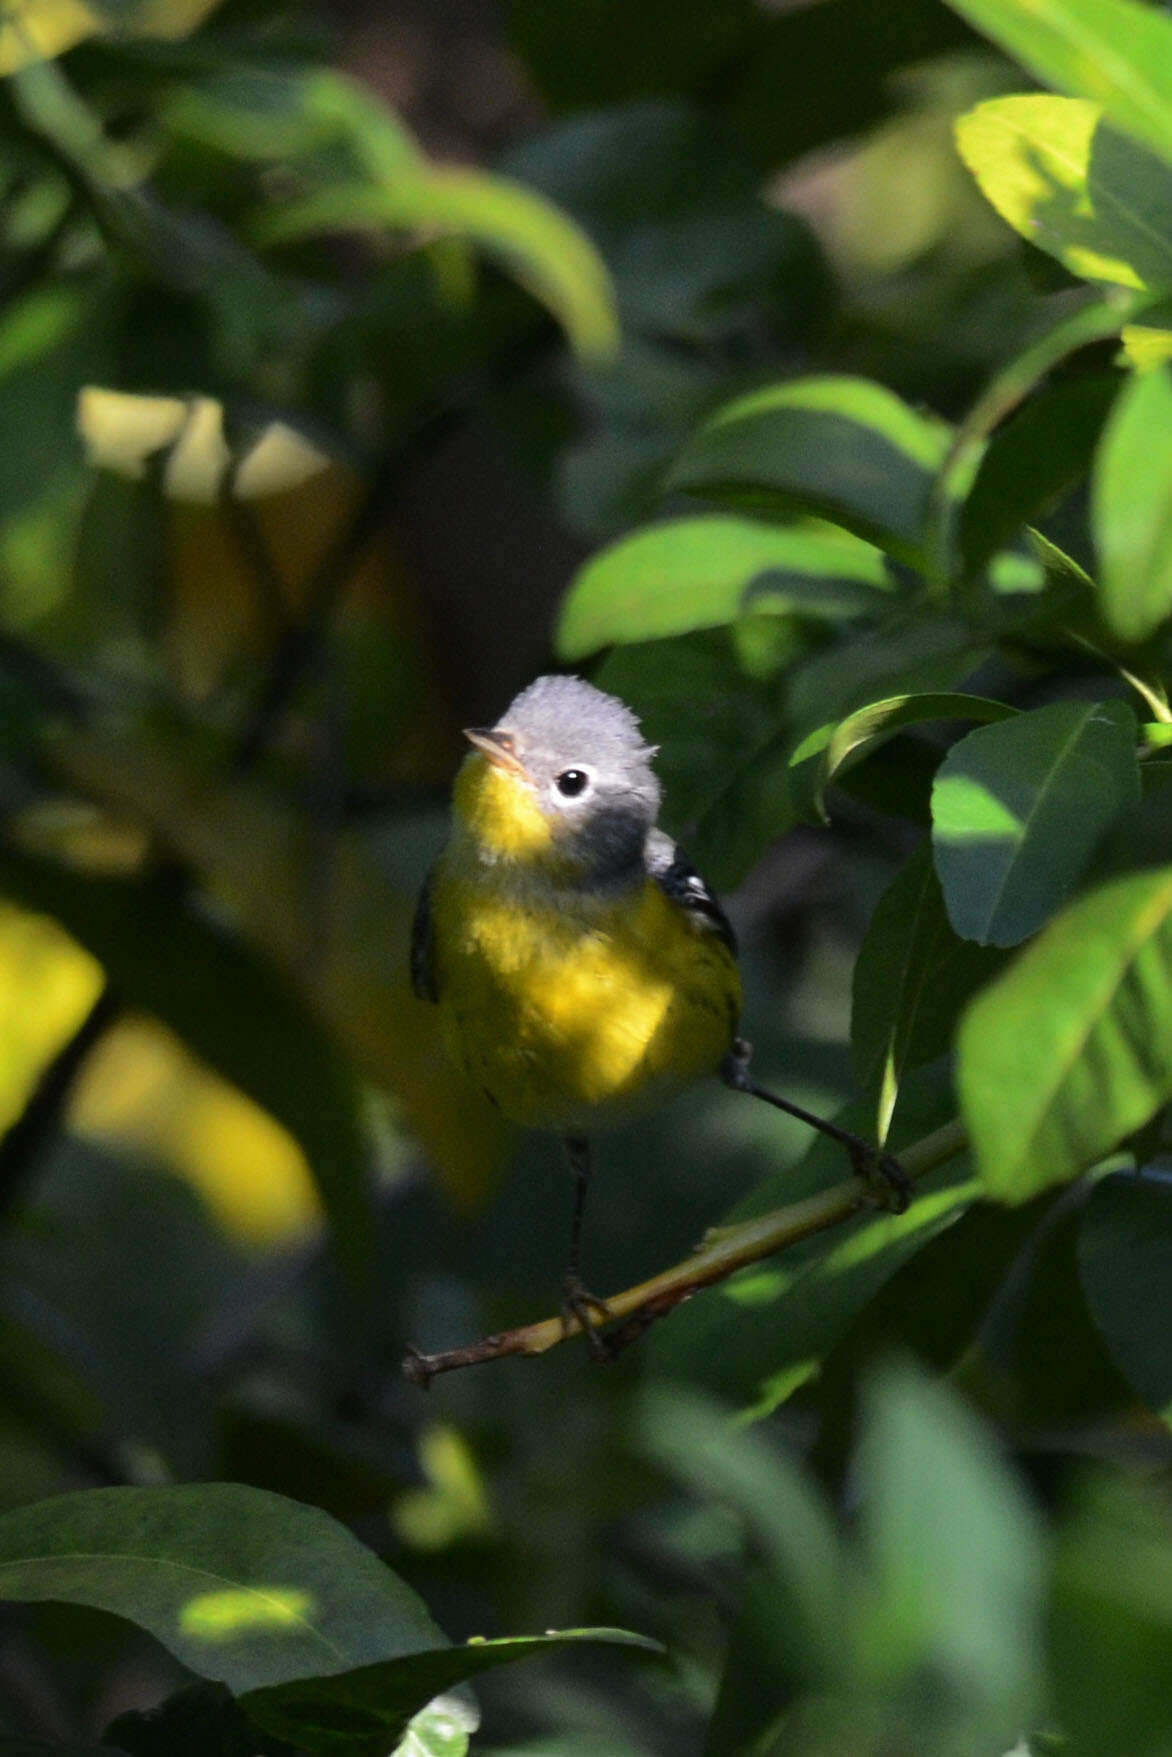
point(422, 959)
point(671, 869)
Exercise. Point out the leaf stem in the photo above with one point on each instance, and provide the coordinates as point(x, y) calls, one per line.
point(720, 1254)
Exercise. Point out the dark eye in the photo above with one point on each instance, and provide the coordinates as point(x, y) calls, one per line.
point(571, 782)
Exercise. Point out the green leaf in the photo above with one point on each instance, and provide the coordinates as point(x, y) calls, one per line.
point(1074, 187)
point(530, 238)
point(1041, 452)
point(1125, 1263)
point(362, 1713)
point(845, 448)
point(1018, 808)
point(955, 1554)
point(701, 573)
point(243, 1586)
point(826, 753)
point(1147, 340)
point(204, 1720)
point(164, 955)
point(1132, 508)
point(1071, 1049)
point(1116, 52)
point(912, 978)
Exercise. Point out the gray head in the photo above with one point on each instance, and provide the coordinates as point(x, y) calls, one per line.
point(583, 753)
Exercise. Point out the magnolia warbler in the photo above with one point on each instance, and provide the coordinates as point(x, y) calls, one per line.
point(581, 966)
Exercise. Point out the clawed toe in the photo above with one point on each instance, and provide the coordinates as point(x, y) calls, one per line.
point(589, 1311)
point(885, 1178)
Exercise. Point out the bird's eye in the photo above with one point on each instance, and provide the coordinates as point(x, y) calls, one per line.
point(571, 782)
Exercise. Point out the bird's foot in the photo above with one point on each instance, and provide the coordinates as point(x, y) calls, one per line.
point(588, 1311)
point(883, 1177)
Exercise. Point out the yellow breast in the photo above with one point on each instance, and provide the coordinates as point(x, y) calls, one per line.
point(571, 1010)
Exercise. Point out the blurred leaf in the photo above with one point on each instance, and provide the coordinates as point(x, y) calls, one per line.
point(1074, 187)
point(700, 573)
point(844, 448)
point(1125, 1264)
point(357, 1713)
point(912, 977)
point(1071, 1049)
point(1116, 52)
point(530, 238)
point(955, 1555)
point(824, 755)
point(1110, 1623)
point(1018, 808)
point(1147, 340)
point(1132, 498)
point(240, 1585)
point(441, 1729)
point(126, 433)
point(1042, 451)
point(227, 1004)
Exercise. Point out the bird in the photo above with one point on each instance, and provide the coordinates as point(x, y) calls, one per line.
point(582, 968)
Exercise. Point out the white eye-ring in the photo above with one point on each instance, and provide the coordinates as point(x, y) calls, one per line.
point(573, 783)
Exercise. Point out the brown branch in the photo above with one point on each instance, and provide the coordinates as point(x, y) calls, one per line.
point(723, 1251)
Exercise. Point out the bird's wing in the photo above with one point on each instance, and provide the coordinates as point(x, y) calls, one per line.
point(671, 869)
point(422, 951)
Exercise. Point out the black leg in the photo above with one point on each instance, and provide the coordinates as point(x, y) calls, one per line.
point(586, 1307)
point(881, 1172)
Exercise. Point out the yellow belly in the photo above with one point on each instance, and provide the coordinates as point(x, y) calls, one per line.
point(570, 1012)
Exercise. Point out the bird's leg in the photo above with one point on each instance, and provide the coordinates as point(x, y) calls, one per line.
point(881, 1172)
point(578, 1301)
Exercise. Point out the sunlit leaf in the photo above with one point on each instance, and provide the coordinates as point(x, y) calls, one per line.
point(1132, 508)
point(126, 433)
point(1071, 1049)
point(41, 29)
point(841, 447)
point(1116, 52)
point(1074, 187)
point(699, 573)
point(1018, 808)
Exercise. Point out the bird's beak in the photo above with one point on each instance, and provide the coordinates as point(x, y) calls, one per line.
point(498, 748)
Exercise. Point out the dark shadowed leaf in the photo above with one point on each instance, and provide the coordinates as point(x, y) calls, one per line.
point(1018, 808)
point(1125, 1261)
point(842, 447)
point(243, 1586)
point(1070, 1050)
point(912, 978)
point(1132, 506)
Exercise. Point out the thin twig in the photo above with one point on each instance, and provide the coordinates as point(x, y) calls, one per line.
point(721, 1254)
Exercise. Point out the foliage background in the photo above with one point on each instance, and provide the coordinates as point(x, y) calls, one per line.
point(798, 371)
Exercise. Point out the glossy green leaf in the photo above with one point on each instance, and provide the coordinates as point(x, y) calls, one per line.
point(530, 238)
point(1071, 1049)
point(1041, 452)
point(1125, 1263)
point(826, 753)
point(1018, 808)
point(1132, 508)
point(700, 573)
point(1116, 52)
point(1074, 187)
point(361, 1713)
point(912, 977)
point(841, 447)
point(243, 1586)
